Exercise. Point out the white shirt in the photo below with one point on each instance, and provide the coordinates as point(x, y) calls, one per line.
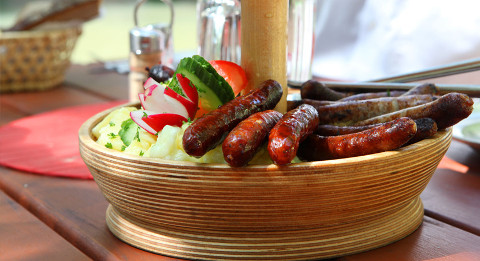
point(368, 39)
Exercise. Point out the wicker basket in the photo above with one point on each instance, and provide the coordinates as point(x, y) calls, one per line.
point(35, 60)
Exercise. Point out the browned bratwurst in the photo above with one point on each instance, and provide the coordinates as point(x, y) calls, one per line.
point(318, 91)
point(372, 95)
point(424, 88)
point(426, 128)
point(245, 139)
point(335, 130)
point(446, 111)
point(289, 131)
point(345, 113)
point(388, 136)
point(208, 131)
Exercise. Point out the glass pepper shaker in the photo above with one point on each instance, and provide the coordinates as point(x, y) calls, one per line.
point(149, 45)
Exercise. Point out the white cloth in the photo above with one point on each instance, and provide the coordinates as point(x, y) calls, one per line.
point(369, 39)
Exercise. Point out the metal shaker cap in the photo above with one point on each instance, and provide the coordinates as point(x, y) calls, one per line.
point(153, 37)
point(146, 40)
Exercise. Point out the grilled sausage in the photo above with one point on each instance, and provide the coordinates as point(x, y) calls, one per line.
point(335, 130)
point(245, 139)
point(424, 88)
point(315, 90)
point(388, 136)
point(345, 113)
point(289, 131)
point(426, 128)
point(372, 95)
point(208, 131)
point(446, 111)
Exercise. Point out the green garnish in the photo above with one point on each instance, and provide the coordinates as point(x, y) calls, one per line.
point(137, 136)
point(111, 124)
point(130, 131)
point(141, 153)
point(112, 135)
point(109, 145)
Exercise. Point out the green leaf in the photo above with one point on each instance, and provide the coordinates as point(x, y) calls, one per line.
point(129, 132)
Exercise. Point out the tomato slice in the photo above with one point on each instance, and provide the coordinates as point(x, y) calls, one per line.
point(233, 74)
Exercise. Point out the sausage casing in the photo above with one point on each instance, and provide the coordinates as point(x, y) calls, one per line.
point(208, 131)
point(346, 113)
point(372, 95)
point(387, 136)
point(335, 130)
point(424, 88)
point(315, 90)
point(289, 131)
point(245, 139)
point(426, 128)
point(446, 111)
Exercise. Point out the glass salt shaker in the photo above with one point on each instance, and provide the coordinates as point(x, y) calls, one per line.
point(149, 45)
point(218, 27)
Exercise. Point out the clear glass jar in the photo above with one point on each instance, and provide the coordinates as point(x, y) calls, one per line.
point(218, 27)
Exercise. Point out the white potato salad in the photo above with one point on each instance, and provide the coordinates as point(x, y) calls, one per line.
point(113, 132)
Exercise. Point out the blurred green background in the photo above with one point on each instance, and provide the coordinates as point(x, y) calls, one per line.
point(106, 38)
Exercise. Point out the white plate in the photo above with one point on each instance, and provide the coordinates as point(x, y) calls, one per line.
point(468, 130)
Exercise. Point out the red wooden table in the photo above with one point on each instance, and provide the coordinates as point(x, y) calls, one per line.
point(50, 218)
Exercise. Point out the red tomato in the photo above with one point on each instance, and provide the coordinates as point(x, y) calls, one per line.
point(233, 74)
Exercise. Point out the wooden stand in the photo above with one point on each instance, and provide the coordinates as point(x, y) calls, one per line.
point(264, 44)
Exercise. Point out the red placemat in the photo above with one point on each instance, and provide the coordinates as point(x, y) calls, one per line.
point(47, 143)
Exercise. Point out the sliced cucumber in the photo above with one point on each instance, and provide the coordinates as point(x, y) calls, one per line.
point(213, 90)
point(205, 64)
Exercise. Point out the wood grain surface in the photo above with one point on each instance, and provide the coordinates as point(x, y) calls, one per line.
point(25, 237)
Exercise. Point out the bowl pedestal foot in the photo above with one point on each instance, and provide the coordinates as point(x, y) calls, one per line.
point(322, 242)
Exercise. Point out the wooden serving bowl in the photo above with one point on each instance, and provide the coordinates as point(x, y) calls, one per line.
point(301, 211)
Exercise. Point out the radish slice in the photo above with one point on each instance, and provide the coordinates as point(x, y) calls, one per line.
point(188, 88)
point(153, 122)
point(149, 82)
point(189, 105)
point(156, 101)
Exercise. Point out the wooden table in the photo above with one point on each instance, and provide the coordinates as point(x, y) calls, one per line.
point(48, 218)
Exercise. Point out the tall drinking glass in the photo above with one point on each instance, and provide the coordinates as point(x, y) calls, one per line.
point(219, 29)
point(300, 41)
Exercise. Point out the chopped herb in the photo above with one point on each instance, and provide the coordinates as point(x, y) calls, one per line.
point(109, 145)
point(112, 135)
point(145, 115)
point(137, 135)
point(123, 147)
point(141, 153)
point(111, 124)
